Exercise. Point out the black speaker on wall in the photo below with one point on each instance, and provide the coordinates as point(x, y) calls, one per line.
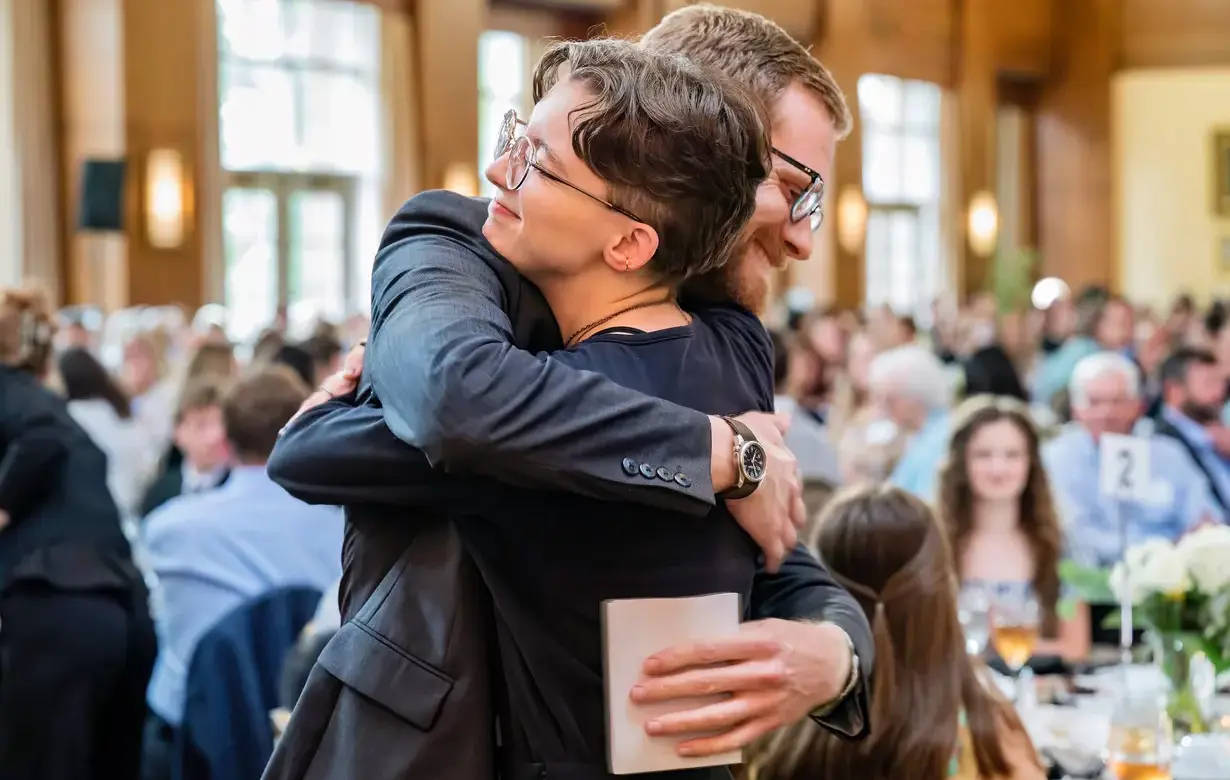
point(102, 195)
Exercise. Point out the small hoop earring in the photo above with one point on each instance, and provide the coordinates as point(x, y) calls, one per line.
point(625, 265)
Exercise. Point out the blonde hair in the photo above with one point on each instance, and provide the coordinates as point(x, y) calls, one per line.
point(27, 326)
point(752, 51)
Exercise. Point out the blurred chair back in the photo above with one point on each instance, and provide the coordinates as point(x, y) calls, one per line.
point(233, 683)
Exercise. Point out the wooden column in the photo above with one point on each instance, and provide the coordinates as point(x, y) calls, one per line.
point(448, 35)
point(977, 97)
point(843, 31)
point(164, 110)
point(90, 53)
point(1073, 146)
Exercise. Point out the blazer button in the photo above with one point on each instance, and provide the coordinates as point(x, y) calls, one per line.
point(630, 467)
point(682, 480)
point(647, 471)
point(664, 474)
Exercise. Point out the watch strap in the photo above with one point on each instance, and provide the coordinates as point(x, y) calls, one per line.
point(743, 487)
point(741, 429)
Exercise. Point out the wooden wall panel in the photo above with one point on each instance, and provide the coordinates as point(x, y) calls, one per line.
point(163, 111)
point(977, 101)
point(1073, 145)
point(91, 92)
point(448, 85)
point(1170, 33)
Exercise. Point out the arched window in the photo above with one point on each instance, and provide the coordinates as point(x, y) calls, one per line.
point(901, 182)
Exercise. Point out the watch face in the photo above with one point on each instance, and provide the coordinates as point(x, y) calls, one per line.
point(752, 460)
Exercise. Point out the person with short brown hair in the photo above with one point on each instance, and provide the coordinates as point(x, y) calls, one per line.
point(808, 116)
point(217, 550)
point(256, 408)
point(453, 374)
point(200, 458)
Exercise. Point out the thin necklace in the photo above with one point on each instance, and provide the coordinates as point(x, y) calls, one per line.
point(645, 304)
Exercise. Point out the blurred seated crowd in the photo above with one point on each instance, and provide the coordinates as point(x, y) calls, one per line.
point(974, 440)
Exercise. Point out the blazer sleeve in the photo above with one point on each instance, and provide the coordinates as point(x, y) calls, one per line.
point(341, 452)
point(442, 361)
point(803, 589)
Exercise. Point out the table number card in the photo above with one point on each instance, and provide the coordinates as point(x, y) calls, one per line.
point(633, 630)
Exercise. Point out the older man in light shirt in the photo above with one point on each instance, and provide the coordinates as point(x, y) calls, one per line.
point(1105, 395)
point(911, 387)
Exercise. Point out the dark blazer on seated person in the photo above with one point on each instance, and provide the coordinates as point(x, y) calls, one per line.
point(405, 693)
point(233, 683)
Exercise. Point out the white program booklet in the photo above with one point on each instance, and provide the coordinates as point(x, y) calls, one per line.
point(633, 630)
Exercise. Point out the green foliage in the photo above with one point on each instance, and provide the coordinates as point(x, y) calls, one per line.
point(1012, 279)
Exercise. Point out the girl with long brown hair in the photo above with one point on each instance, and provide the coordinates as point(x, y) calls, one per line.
point(996, 505)
point(934, 716)
point(78, 643)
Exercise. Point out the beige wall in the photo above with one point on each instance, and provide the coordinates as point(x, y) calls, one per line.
point(1167, 235)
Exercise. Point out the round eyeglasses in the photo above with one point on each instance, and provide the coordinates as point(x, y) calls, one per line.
point(808, 204)
point(522, 155)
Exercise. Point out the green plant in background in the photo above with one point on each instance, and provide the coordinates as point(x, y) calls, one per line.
point(1012, 278)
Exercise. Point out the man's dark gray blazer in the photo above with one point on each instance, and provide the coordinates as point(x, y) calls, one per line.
point(403, 691)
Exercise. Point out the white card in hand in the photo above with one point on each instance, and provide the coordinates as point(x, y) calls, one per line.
point(633, 630)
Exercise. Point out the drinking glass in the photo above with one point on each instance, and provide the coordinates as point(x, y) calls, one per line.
point(1141, 742)
point(973, 606)
point(1014, 631)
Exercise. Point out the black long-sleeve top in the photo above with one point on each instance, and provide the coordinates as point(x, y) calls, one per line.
point(53, 478)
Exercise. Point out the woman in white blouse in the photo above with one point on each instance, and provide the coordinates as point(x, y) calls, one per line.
point(98, 405)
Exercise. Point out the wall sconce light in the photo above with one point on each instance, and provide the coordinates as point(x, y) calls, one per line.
point(164, 199)
point(460, 178)
point(983, 227)
point(851, 219)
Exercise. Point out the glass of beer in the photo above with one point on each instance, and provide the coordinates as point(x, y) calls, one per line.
point(1141, 739)
point(1015, 619)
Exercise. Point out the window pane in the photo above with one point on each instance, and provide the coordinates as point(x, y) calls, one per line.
point(317, 266)
point(922, 104)
point(879, 99)
point(877, 250)
point(501, 63)
point(250, 248)
point(256, 117)
point(882, 169)
point(903, 261)
point(251, 29)
point(333, 34)
point(340, 125)
point(920, 169)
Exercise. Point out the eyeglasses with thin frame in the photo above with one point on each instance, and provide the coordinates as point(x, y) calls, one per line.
point(808, 204)
point(522, 155)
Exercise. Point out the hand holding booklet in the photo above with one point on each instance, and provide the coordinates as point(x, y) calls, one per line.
point(633, 630)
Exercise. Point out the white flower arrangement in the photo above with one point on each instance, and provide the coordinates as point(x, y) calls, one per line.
point(1198, 565)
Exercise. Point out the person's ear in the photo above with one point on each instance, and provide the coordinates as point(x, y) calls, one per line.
point(633, 249)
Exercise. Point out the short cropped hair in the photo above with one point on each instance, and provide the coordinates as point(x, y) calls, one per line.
point(258, 406)
point(1096, 365)
point(914, 372)
point(753, 51)
point(200, 393)
point(1176, 367)
point(680, 147)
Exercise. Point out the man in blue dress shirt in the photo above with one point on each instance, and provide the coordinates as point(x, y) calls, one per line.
point(1105, 393)
point(911, 387)
point(214, 551)
point(1193, 393)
